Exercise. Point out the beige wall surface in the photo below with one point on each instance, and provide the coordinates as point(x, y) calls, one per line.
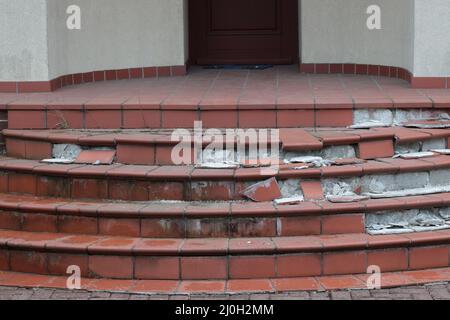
point(335, 31)
point(432, 38)
point(116, 34)
point(23, 40)
point(36, 44)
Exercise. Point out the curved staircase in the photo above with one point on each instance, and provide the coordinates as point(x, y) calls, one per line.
point(151, 225)
point(172, 223)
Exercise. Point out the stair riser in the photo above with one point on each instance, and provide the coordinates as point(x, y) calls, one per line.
point(285, 117)
point(225, 267)
point(211, 190)
point(183, 227)
point(161, 154)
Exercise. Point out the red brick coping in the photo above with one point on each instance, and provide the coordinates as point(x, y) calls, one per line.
point(93, 76)
point(389, 280)
point(377, 70)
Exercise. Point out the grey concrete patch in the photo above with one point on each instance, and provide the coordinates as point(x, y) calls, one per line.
point(66, 151)
point(340, 187)
point(406, 221)
point(434, 144)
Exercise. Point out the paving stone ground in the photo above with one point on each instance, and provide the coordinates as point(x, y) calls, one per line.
point(439, 291)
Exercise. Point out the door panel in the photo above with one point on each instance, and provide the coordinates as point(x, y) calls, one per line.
point(238, 15)
point(243, 31)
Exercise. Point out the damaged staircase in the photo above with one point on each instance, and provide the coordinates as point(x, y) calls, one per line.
point(343, 196)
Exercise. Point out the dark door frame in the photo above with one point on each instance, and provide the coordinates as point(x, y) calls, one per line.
point(196, 35)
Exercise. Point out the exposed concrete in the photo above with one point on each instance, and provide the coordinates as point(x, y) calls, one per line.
point(396, 116)
point(365, 115)
point(406, 221)
point(66, 151)
point(327, 153)
point(432, 144)
point(413, 179)
point(408, 147)
point(290, 188)
point(439, 177)
point(340, 187)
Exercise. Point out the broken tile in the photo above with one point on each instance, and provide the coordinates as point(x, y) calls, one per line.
point(369, 125)
point(267, 190)
point(289, 201)
point(442, 151)
point(415, 155)
point(346, 199)
point(376, 149)
point(312, 190)
point(58, 161)
point(96, 157)
point(348, 161)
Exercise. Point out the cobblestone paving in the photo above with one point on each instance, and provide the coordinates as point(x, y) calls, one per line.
point(429, 292)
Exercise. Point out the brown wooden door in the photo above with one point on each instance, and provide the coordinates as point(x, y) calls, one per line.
point(243, 31)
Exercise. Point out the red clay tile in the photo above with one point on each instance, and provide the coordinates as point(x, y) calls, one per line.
point(205, 246)
point(428, 257)
point(299, 265)
point(334, 118)
point(341, 224)
point(119, 227)
point(155, 228)
point(136, 154)
point(389, 260)
point(261, 119)
point(251, 245)
point(298, 140)
point(96, 157)
point(179, 118)
point(219, 118)
point(263, 191)
point(204, 268)
point(341, 282)
point(28, 262)
point(114, 285)
point(344, 263)
point(295, 118)
point(296, 244)
point(299, 226)
point(376, 149)
point(296, 284)
point(249, 285)
point(155, 286)
point(58, 263)
point(157, 268)
point(312, 190)
point(114, 267)
point(77, 225)
point(209, 287)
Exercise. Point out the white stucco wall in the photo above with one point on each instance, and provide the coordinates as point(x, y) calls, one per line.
point(335, 31)
point(35, 44)
point(23, 40)
point(432, 38)
point(116, 34)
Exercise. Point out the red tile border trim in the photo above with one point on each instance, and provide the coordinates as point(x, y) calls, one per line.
point(377, 70)
point(93, 76)
point(344, 282)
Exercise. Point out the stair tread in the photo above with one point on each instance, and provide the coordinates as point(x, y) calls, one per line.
point(295, 138)
point(28, 203)
point(114, 245)
point(378, 166)
point(236, 286)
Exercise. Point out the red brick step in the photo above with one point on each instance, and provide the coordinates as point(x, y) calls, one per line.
point(220, 258)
